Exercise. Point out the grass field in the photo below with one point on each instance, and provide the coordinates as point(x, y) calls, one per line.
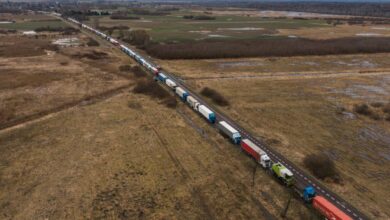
point(32, 25)
point(173, 28)
point(310, 111)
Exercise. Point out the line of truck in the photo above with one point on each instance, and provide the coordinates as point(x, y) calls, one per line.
point(308, 194)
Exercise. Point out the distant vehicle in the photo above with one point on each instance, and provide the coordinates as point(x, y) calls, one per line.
point(207, 113)
point(162, 77)
point(194, 104)
point(229, 131)
point(181, 93)
point(170, 83)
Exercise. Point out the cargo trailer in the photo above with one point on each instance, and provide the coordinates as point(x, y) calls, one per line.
point(181, 93)
point(258, 154)
point(229, 131)
point(193, 103)
point(162, 77)
point(170, 83)
point(207, 113)
point(328, 209)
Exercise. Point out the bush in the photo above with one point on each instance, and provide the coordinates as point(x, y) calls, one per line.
point(123, 17)
point(215, 96)
point(150, 88)
point(321, 166)
point(170, 102)
point(208, 49)
point(362, 109)
point(375, 116)
point(386, 108)
point(92, 43)
point(137, 37)
point(125, 68)
point(138, 71)
point(199, 17)
point(377, 104)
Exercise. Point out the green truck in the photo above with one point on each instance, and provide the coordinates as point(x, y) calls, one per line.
point(284, 174)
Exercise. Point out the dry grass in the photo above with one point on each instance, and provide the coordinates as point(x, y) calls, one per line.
point(119, 162)
point(299, 116)
point(33, 82)
point(10, 46)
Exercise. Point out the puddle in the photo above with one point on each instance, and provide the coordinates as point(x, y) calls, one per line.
point(378, 136)
point(357, 63)
point(67, 42)
point(368, 34)
point(238, 64)
point(379, 92)
point(381, 28)
point(217, 35)
point(201, 32)
point(241, 29)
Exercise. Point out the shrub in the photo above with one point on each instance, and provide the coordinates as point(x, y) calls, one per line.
point(386, 108)
point(321, 166)
point(208, 49)
point(375, 116)
point(362, 109)
point(138, 71)
point(215, 96)
point(170, 102)
point(92, 43)
point(150, 88)
point(125, 68)
point(377, 104)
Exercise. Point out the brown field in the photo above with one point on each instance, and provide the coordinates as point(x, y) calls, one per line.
point(110, 161)
point(301, 111)
point(38, 77)
point(121, 156)
point(281, 67)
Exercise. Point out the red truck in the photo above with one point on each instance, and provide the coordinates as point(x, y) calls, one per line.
point(327, 209)
point(258, 154)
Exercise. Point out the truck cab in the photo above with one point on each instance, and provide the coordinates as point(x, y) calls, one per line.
point(284, 174)
point(308, 194)
point(265, 161)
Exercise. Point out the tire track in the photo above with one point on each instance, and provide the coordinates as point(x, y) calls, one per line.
point(91, 99)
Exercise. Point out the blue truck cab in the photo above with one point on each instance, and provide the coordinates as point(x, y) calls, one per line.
point(308, 194)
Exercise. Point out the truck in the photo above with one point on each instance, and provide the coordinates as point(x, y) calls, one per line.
point(207, 113)
point(162, 77)
point(193, 103)
point(229, 131)
point(284, 174)
point(170, 83)
point(256, 152)
point(307, 194)
point(328, 210)
point(181, 93)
